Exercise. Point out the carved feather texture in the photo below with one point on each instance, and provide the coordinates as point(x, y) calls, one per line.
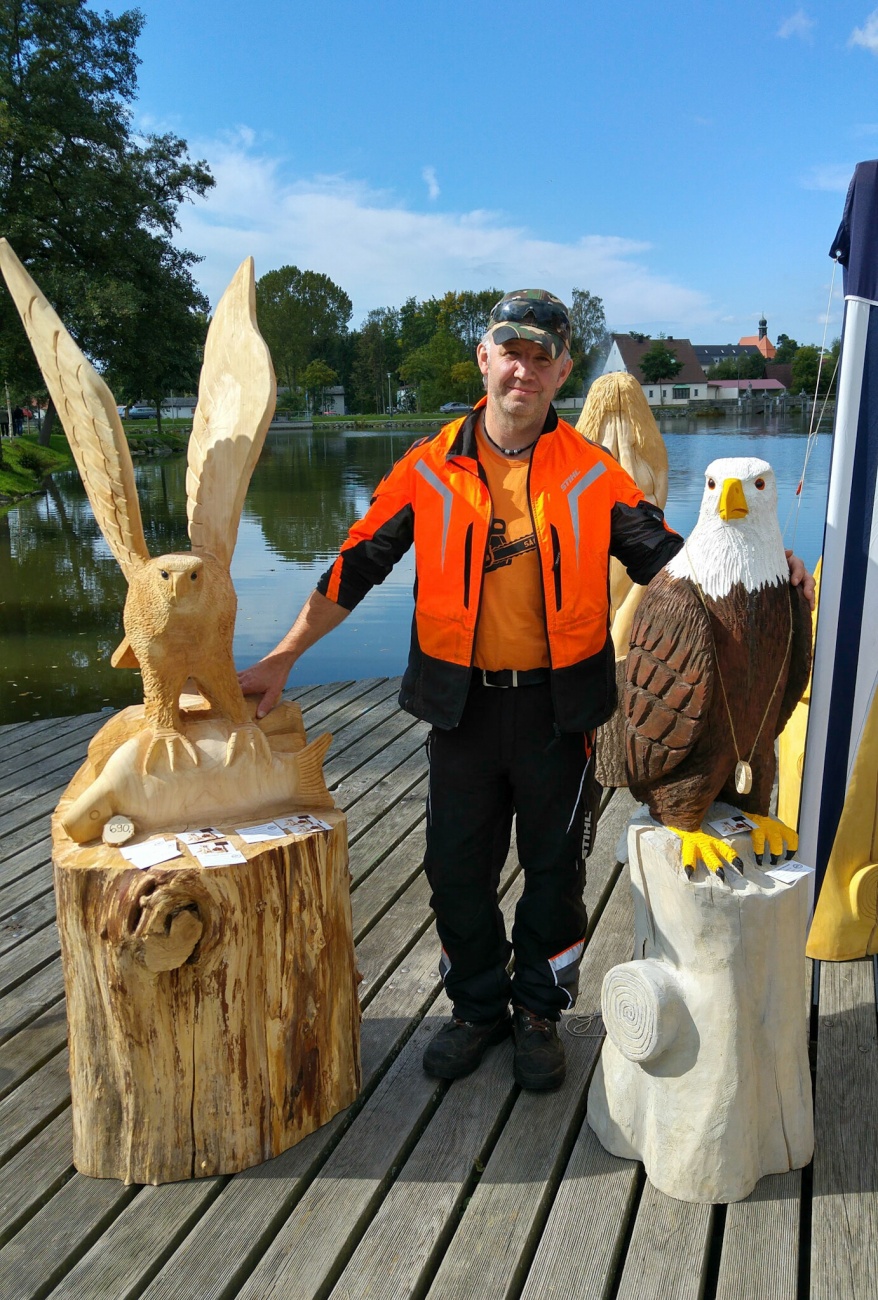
point(236, 399)
point(670, 674)
point(87, 411)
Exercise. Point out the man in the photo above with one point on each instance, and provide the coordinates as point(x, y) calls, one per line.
point(513, 516)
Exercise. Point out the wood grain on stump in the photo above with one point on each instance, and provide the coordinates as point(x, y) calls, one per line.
point(213, 1013)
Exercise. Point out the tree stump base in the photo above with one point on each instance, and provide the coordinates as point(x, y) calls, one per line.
point(213, 1012)
point(704, 1073)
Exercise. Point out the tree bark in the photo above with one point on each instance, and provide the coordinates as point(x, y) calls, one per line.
point(47, 425)
point(213, 1013)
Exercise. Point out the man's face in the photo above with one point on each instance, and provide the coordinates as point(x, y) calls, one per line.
point(522, 377)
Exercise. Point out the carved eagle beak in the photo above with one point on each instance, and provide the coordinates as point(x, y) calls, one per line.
point(732, 504)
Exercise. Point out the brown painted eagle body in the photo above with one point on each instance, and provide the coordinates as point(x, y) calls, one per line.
point(751, 632)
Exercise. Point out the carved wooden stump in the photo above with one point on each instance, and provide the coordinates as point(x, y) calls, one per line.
point(704, 1073)
point(213, 1013)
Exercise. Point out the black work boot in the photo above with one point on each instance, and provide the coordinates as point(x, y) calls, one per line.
point(460, 1045)
point(538, 1064)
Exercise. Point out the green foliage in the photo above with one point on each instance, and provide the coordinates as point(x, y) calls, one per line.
point(786, 349)
point(89, 206)
point(590, 340)
point(806, 365)
point(468, 379)
point(659, 363)
point(316, 377)
point(303, 315)
point(23, 464)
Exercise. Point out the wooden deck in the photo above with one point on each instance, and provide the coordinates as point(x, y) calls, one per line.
point(422, 1188)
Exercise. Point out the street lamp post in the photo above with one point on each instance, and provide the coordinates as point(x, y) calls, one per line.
point(389, 394)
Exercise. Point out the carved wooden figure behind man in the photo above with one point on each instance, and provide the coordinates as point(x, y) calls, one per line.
point(720, 655)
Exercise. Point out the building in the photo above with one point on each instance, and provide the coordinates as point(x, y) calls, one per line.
point(729, 390)
point(760, 341)
point(711, 354)
point(690, 384)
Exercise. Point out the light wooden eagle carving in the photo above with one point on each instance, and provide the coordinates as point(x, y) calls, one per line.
point(720, 655)
point(179, 616)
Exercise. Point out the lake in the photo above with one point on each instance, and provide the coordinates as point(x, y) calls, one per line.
point(62, 593)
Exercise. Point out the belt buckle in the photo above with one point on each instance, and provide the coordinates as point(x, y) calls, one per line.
point(495, 686)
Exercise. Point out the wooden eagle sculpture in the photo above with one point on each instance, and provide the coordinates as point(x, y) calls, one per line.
point(720, 655)
point(179, 615)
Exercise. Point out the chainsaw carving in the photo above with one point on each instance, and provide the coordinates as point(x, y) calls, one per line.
point(179, 616)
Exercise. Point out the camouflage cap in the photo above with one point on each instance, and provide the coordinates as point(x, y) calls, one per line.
point(533, 314)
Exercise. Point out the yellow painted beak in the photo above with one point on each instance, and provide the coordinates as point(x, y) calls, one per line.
point(732, 504)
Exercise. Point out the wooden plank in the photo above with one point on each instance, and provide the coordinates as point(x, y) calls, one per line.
point(493, 1247)
point(19, 925)
point(32, 1176)
point(30, 1107)
point(388, 756)
point(403, 1243)
point(34, 759)
point(667, 1255)
point(30, 999)
point(25, 889)
point(28, 958)
point(332, 713)
point(844, 1226)
point(37, 854)
point(32, 1047)
point(382, 800)
point(57, 1236)
point(365, 738)
point(377, 894)
point(138, 1242)
point(31, 831)
point(586, 1228)
point(760, 1252)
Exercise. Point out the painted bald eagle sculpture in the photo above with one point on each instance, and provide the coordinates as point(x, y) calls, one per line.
point(720, 655)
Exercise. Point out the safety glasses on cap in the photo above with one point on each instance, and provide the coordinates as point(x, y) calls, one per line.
point(545, 315)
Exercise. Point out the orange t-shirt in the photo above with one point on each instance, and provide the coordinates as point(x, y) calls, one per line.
point(512, 628)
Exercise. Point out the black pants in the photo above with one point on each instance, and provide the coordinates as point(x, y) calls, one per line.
point(507, 757)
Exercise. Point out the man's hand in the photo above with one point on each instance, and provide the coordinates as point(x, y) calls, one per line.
point(799, 576)
point(267, 678)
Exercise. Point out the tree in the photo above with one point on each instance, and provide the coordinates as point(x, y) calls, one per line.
point(806, 366)
point(467, 376)
point(589, 339)
point(302, 315)
point(90, 207)
point(376, 354)
point(316, 378)
point(659, 363)
point(429, 368)
point(786, 349)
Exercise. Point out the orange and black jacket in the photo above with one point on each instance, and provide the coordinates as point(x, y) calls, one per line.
point(585, 508)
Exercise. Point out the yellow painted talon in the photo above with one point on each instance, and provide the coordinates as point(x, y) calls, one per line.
point(713, 852)
point(776, 834)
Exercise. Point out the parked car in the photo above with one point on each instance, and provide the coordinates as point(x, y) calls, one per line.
point(141, 413)
point(450, 407)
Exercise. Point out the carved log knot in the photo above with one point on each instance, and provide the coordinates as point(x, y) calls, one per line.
point(167, 922)
point(642, 1003)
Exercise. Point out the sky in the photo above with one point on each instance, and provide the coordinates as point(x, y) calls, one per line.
point(687, 163)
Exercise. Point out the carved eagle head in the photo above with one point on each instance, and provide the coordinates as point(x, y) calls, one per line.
point(737, 538)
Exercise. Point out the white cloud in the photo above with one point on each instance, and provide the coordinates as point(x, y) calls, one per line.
point(429, 175)
point(381, 252)
point(799, 24)
point(834, 177)
point(867, 35)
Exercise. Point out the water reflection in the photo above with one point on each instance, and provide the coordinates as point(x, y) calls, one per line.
point(61, 591)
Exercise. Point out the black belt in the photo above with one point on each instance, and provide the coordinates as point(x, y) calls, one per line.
point(507, 677)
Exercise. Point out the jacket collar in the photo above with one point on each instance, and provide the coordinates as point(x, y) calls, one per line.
point(464, 441)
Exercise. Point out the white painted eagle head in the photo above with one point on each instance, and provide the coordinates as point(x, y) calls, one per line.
point(737, 537)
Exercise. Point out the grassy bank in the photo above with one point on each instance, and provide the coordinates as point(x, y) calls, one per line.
point(25, 464)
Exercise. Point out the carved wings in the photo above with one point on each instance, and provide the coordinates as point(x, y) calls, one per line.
point(87, 410)
point(236, 399)
point(669, 679)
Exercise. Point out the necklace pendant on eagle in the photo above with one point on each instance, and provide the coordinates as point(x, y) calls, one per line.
point(743, 777)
